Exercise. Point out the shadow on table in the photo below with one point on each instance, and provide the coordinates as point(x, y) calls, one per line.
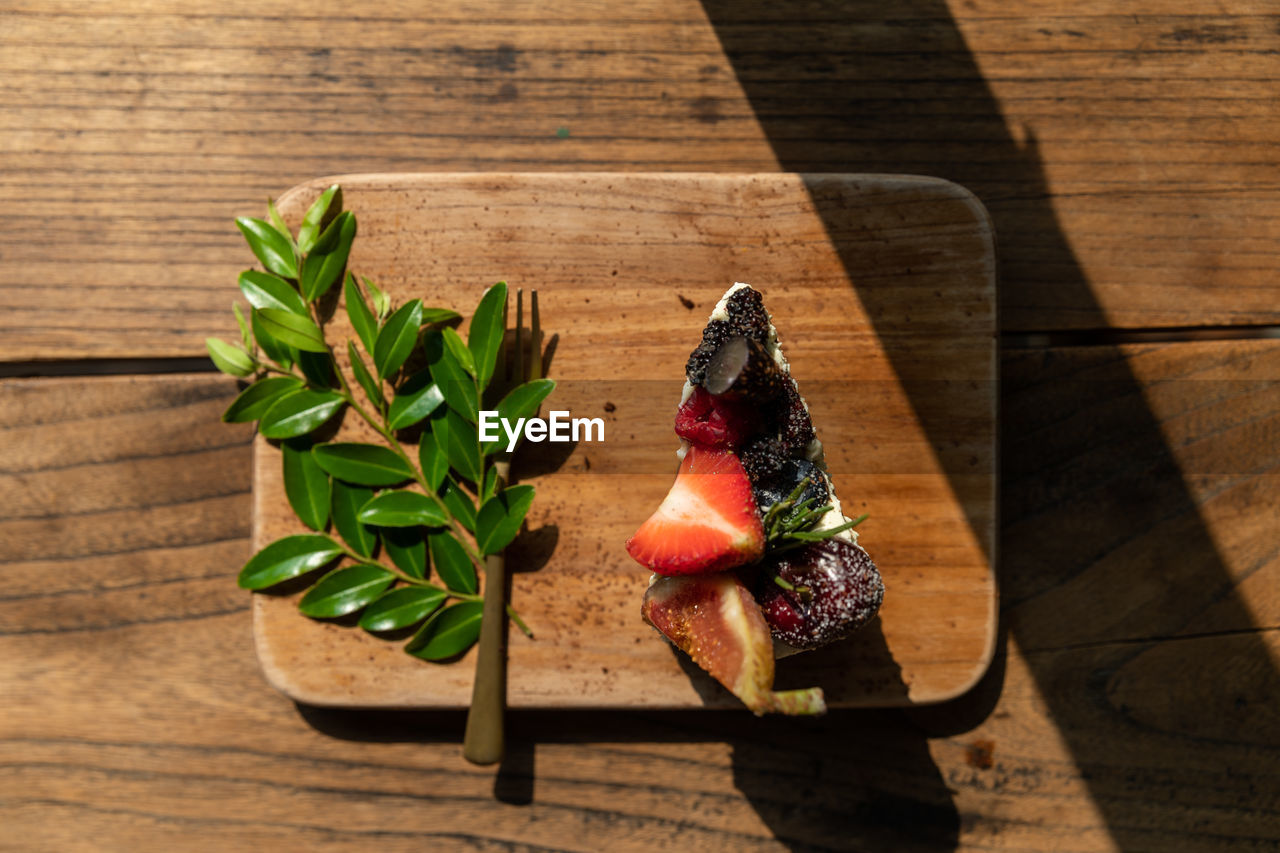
point(869, 87)
point(818, 784)
point(854, 779)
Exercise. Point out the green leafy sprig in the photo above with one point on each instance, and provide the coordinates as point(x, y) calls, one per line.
point(397, 514)
point(788, 524)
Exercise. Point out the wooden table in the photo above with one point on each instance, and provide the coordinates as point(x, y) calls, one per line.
point(1130, 164)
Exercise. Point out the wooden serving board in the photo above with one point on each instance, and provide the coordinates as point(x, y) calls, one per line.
point(883, 292)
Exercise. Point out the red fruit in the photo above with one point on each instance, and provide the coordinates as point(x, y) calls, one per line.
point(706, 523)
point(714, 421)
point(714, 620)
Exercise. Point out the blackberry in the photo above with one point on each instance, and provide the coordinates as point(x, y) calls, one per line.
point(715, 334)
point(762, 458)
point(747, 316)
point(790, 473)
point(796, 427)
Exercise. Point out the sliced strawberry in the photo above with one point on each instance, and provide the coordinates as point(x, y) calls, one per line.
point(714, 421)
point(706, 523)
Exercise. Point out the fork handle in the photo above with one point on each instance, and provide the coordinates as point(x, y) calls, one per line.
point(485, 739)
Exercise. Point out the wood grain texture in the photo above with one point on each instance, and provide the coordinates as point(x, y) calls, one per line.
point(1140, 569)
point(1125, 154)
point(1127, 157)
point(134, 715)
point(898, 366)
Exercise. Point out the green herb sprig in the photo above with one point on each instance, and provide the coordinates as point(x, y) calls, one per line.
point(788, 524)
point(397, 514)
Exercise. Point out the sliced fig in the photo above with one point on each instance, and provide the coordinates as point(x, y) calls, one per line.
point(820, 593)
point(714, 619)
point(743, 369)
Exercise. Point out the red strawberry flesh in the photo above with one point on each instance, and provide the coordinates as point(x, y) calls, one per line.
point(707, 522)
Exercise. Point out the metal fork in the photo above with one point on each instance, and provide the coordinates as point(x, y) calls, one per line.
point(485, 740)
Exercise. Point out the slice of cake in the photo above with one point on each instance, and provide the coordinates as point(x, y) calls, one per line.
point(751, 543)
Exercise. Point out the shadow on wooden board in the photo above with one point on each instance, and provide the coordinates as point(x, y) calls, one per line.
point(874, 87)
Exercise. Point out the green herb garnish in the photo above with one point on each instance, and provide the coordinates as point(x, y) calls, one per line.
point(388, 507)
point(788, 524)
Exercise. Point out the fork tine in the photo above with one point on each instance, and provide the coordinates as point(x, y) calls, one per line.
point(535, 336)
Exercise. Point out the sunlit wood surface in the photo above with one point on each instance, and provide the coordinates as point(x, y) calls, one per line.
point(1127, 156)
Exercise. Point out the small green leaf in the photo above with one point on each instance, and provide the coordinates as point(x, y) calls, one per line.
point(298, 413)
point(457, 349)
point(347, 501)
point(287, 558)
point(490, 483)
point(435, 464)
point(403, 509)
point(291, 329)
point(317, 367)
point(460, 504)
point(319, 214)
point(362, 320)
point(407, 549)
point(282, 354)
point(439, 316)
point(323, 267)
point(488, 324)
point(345, 590)
point(460, 443)
point(246, 334)
point(276, 221)
point(500, 518)
point(458, 387)
point(372, 389)
point(274, 249)
point(264, 290)
point(449, 632)
point(362, 464)
point(453, 566)
point(402, 607)
point(521, 401)
point(396, 340)
point(414, 400)
point(229, 359)
point(306, 485)
point(254, 401)
point(381, 301)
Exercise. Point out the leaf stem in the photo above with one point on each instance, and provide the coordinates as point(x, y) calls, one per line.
point(405, 576)
point(271, 368)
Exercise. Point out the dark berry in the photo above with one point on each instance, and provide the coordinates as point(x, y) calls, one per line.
point(742, 369)
point(762, 458)
point(789, 476)
point(715, 334)
point(747, 315)
point(712, 421)
point(835, 589)
point(797, 428)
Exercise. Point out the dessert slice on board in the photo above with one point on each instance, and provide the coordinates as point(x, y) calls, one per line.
point(751, 542)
